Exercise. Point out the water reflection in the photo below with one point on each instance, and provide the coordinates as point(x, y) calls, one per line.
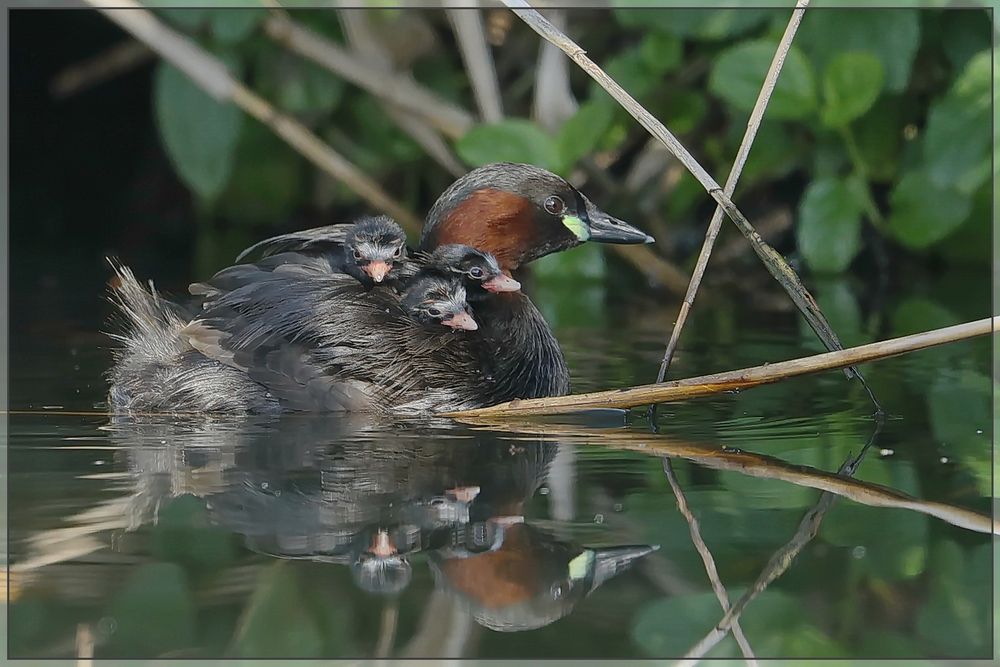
point(298, 489)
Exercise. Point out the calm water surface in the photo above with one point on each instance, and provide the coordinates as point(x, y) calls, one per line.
point(340, 537)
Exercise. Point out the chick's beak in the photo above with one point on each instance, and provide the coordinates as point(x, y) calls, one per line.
point(606, 228)
point(377, 270)
point(461, 320)
point(502, 283)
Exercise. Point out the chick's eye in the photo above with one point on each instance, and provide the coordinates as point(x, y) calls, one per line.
point(357, 254)
point(434, 312)
point(476, 272)
point(555, 205)
point(397, 252)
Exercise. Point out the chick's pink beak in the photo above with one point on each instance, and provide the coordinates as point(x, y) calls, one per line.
point(461, 321)
point(502, 283)
point(377, 270)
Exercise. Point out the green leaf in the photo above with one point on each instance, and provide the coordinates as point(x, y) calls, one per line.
point(304, 87)
point(661, 52)
point(916, 314)
point(838, 302)
point(705, 24)
point(954, 620)
point(893, 544)
point(199, 133)
point(893, 35)
point(851, 84)
point(878, 135)
point(960, 405)
point(829, 230)
point(153, 612)
point(965, 32)
point(512, 140)
point(739, 72)
point(276, 623)
point(187, 18)
point(973, 242)
point(630, 70)
point(683, 110)
point(775, 153)
point(774, 625)
point(184, 535)
point(230, 26)
point(924, 212)
point(266, 183)
point(957, 142)
point(581, 133)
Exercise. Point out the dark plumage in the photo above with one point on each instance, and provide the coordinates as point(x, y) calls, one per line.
point(294, 330)
point(438, 301)
point(480, 270)
point(371, 250)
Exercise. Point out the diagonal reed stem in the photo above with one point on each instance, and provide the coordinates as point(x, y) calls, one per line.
point(210, 74)
point(779, 562)
point(707, 560)
point(745, 378)
point(772, 259)
point(756, 116)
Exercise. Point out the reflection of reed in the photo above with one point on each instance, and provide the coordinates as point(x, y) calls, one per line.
point(779, 562)
point(707, 560)
point(756, 465)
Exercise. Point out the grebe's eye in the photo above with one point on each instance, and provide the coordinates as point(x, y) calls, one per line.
point(434, 312)
point(476, 272)
point(398, 252)
point(555, 205)
point(357, 254)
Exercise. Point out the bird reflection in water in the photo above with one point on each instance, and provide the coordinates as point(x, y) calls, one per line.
point(373, 500)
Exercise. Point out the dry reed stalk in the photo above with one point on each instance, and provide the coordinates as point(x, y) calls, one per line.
point(400, 90)
point(753, 125)
point(119, 59)
point(210, 74)
point(744, 378)
point(362, 38)
point(772, 259)
point(467, 23)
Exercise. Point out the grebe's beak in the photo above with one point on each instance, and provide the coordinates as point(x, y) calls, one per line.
point(377, 270)
point(381, 546)
point(461, 320)
point(502, 283)
point(606, 228)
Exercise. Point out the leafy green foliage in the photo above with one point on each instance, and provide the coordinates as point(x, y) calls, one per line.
point(955, 620)
point(716, 24)
point(669, 627)
point(851, 84)
point(957, 141)
point(288, 616)
point(893, 548)
point(893, 35)
point(580, 135)
point(277, 624)
point(153, 613)
point(198, 132)
point(854, 135)
point(508, 141)
point(829, 225)
point(183, 535)
point(738, 73)
point(924, 212)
